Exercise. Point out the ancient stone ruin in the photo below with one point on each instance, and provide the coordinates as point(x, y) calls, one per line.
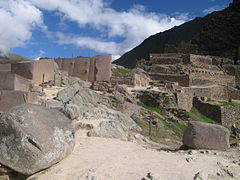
point(93, 69)
point(20, 80)
point(187, 70)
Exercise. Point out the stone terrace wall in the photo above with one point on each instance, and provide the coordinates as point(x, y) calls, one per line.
point(140, 80)
point(14, 82)
point(225, 114)
point(5, 68)
point(9, 99)
point(182, 79)
point(210, 110)
point(197, 60)
point(216, 77)
point(34, 70)
point(97, 68)
point(233, 93)
point(166, 58)
point(211, 92)
point(230, 115)
point(118, 78)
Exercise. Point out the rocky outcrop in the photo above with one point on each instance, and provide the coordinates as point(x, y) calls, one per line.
point(201, 135)
point(33, 138)
point(117, 124)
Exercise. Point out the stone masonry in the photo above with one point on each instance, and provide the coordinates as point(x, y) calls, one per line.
point(93, 69)
point(224, 114)
point(187, 70)
point(14, 82)
point(35, 70)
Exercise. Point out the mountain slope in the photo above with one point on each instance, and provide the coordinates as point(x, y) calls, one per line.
point(12, 58)
point(216, 34)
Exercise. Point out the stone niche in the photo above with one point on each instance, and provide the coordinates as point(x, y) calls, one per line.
point(14, 82)
point(93, 69)
point(35, 70)
point(9, 99)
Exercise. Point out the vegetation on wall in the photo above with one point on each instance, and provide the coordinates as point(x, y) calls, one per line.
point(121, 71)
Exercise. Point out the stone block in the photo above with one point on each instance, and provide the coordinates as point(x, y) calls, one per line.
point(201, 135)
point(9, 99)
point(103, 67)
point(5, 68)
point(81, 69)
point(97, 68)
point(34, 70)
point(14, 82)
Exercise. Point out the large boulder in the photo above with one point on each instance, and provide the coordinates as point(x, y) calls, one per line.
point(33, 138)
point(201, 135)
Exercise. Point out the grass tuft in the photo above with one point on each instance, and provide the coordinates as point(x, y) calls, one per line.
point(159, 110)
point(196, 115)
point(121, 71)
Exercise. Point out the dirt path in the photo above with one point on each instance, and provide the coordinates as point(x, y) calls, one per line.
point(111, 159)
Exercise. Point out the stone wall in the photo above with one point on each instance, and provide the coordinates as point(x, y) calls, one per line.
point(5, 68)
point(211, 92)
point(199, 77)
point(97, 68)
point(230, 115)
point(14, 82)
point(233, 93)
point(118, 78)
point(224, 114)
point(170, 58)
point(197, 60)
point(166, 69)
point(35, 70)
point(9, 99)
point(181, 79)
point(185, 99)
point(212, 111)
point(140, 80)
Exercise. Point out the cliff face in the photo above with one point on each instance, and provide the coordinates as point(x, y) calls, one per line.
point(216, 34)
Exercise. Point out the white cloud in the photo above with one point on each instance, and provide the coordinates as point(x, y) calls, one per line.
point(40, 54)
point(17, 19)
point(212, 9)
point(133, 25)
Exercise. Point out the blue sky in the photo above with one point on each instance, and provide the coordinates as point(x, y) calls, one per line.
point(66, 28)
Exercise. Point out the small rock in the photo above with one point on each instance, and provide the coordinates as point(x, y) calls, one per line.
point(189, 159)
point(235, 162)
point(91, 178)
point(151, 176)
point(200, 176)
point(219, 173)
point(191, 152)
point(4, 177)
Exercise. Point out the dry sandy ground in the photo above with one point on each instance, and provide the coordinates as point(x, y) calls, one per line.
point(111, 159)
